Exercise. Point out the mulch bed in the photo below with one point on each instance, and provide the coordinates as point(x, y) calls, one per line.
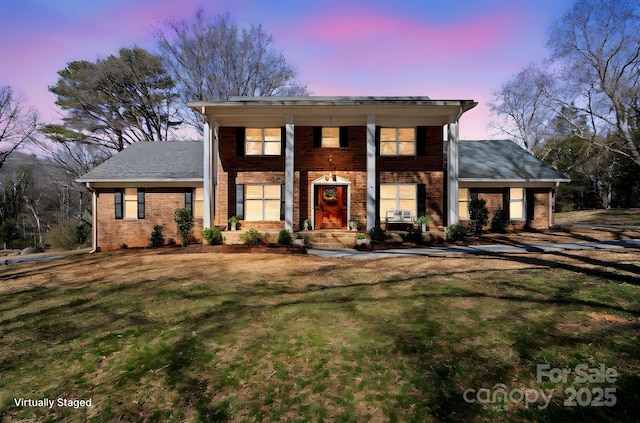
point(235, 248)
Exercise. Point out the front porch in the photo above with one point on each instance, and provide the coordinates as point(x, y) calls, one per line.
point(327, 238)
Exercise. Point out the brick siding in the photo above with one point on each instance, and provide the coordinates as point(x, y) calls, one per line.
point(160, 205)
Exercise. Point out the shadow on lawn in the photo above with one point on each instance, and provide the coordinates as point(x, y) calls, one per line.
point(443, 363)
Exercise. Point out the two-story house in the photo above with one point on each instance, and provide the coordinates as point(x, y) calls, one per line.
point(275, 162)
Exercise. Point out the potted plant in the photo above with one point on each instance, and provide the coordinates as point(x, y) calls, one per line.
point(306, 225)
point(299, 240)
point(233, 221)
point(361, 239)
point(424, 221)
point(354, 224)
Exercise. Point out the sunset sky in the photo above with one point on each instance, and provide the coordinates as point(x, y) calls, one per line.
point(443, 49)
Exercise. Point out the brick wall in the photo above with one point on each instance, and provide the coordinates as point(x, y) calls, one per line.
point(160, 205)
point(493, 197)
point(435, 189)
point(313, 162)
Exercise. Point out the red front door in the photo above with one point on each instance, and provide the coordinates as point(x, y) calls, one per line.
point(331, 207)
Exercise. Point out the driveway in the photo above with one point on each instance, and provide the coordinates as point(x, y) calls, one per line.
point(475, 249)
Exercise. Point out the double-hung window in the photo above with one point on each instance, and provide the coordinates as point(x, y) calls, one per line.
point(516, 203)
point(129, 203)
point(397, 141)
point(396, 197)
point(262, 202)
point(330, 137)
point(463, 203)
point(194, 202)
point(263, 141)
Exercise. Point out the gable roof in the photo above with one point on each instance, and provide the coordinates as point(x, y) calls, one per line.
point(502, 160)
point(151, 161)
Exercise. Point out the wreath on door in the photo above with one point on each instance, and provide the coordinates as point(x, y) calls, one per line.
point(330, 195)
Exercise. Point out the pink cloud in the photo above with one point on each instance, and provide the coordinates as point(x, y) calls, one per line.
point(392, 40)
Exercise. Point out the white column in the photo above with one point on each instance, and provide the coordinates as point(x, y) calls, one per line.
point(452, 171)
point(94, 217)
point(371, 171)
point(206, 175)
point(289, 157)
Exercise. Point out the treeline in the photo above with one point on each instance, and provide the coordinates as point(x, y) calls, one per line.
point(131, 96)
point(579, 109)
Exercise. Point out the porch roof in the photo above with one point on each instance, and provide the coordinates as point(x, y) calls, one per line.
point(332, 111)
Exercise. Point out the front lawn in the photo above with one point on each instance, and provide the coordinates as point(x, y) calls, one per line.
point(240, 337)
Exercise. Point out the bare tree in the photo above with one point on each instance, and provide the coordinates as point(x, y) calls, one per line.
point(17, 123)
point(213, 59)
point(522, 108)
point(595, 48)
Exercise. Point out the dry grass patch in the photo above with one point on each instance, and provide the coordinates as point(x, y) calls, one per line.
point(260, 337)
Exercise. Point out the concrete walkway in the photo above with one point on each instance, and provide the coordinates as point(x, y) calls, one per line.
point(474, 249)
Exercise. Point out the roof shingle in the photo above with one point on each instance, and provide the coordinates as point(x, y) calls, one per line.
point(502, 160)
point(151, 161)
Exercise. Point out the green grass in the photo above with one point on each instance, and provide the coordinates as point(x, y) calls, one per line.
point(315, 340)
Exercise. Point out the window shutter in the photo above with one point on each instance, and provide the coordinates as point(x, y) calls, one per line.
point(240, 201)
point(317, 136)
point(530, 203)
point(377, 140)
point(118, 203)
point(505, 201)
point(422, 200)
point(421, 141)
point(473, 193)
point(344, 137)
point(140, 203)
point(188, 200)
point(240, 141)
point(282, 196)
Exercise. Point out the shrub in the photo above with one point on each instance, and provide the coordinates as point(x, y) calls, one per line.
point(9, 232)
point(478, 216)
point(414, 234)
point(284, 237)
point(213, 235)
point(377, 235)
point(251, 237)
point(456, 232)
point(156, 239)
point(83, 233)
point(184, 220)
point(69, 237)
point(500, 220)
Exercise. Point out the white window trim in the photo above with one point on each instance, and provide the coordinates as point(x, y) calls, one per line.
point(522, 200)
point(398, 185)
point(397, 142)
point(262, 200)
point(263, 142)
point(322, 137)
point(468, 200)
